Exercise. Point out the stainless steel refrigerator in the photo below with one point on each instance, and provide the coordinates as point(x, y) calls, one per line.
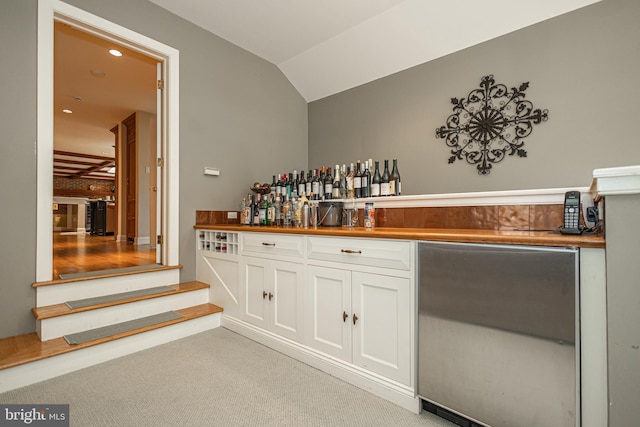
point(498, 339)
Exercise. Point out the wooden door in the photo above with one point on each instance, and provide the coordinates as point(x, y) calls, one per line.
point(132, 177)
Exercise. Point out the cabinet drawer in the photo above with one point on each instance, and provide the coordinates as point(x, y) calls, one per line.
point(373, 252)
point(274, 244)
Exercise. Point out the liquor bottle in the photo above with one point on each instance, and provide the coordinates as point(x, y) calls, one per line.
point(255, 211)
point(375, 181)
point(277, 212)
point(366, 181)
point(279, 185)
point(335, 190)
point(328, 185)
point(357, 181)
point(287, 213)
point(243, 212)
point(343, 182)
point(302, 185)
point(384, 182)
point(297, 206)
point(308, 186)
point(395, 186)
point(315, 185)
point(264, 211)
point(271, 212)
point(350, 176)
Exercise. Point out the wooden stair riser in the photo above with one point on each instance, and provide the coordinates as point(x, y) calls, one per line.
point(59, 293)
point(43, 369)
point(59, 326)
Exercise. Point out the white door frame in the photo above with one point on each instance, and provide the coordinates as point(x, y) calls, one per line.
point(48, 11)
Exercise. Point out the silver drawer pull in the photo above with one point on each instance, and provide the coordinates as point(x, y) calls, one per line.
point(268, 244)
point(350, 251)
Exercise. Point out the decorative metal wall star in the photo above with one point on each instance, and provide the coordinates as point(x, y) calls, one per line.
point(490, 123)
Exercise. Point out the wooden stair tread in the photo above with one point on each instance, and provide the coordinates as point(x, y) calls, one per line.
point(56, 310)
point(103, 276)
point(28, 348)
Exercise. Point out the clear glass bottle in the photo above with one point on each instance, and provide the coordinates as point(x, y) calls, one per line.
point(287, 212)
point(384, 182)
point(395, 185)
point(243, 212)
point(277, 212)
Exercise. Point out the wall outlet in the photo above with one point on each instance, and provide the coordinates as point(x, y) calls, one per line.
point(232, 215)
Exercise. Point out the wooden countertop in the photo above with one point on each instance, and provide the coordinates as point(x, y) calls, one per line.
point(534, 238)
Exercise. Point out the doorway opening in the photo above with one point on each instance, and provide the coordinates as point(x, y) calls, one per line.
point(105, 114)
point(160, 169)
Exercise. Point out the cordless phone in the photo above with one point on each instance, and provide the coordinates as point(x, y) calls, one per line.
point(571, 213)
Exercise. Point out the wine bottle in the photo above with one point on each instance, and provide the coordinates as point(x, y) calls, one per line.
point(366, 181)
point(328, 185)
point(395, 186)
point(357, 181)
point(294, 184)
point(350, 176)
point(307, 190)
point(279, 185)
point(384, 182)
point(273, 186)
point(321, 183)
point(335, 191)
point(375, 181)
point(315, 185)
point(343, 182)
point(302, 185)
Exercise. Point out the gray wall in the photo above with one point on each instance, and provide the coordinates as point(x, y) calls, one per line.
point(581, 66)
point(237, 112)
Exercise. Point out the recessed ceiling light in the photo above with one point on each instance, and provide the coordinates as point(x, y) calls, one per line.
point(67, 111)
point(115, 52)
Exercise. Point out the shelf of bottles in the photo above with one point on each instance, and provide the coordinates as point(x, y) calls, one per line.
point(218, 241)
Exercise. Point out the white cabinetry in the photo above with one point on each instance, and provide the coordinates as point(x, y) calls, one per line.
point(217, 264)
point(272, 284)
point(361, 314)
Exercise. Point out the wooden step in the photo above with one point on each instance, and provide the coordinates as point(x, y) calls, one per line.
point(23, 349)
point(103, 276)
point(57, 310)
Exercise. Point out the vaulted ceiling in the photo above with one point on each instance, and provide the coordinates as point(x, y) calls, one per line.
point(322, 46)
point(327, 46)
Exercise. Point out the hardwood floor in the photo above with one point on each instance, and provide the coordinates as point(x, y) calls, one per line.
point(80, 254)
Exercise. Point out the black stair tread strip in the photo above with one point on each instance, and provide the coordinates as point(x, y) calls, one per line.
point(118, 328)
point(105, 299)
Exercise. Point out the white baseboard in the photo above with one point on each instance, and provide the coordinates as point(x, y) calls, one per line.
point(399, 394)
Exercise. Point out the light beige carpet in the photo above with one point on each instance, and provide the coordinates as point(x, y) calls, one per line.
point(215, 378)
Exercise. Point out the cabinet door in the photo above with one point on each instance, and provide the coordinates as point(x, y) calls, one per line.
point(254, 277)
point(328, 311)
point(286, 299)
point(223, 277)
point(382, 333)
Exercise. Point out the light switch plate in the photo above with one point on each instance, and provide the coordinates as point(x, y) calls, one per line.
point(211, 171)
point(232, 215)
